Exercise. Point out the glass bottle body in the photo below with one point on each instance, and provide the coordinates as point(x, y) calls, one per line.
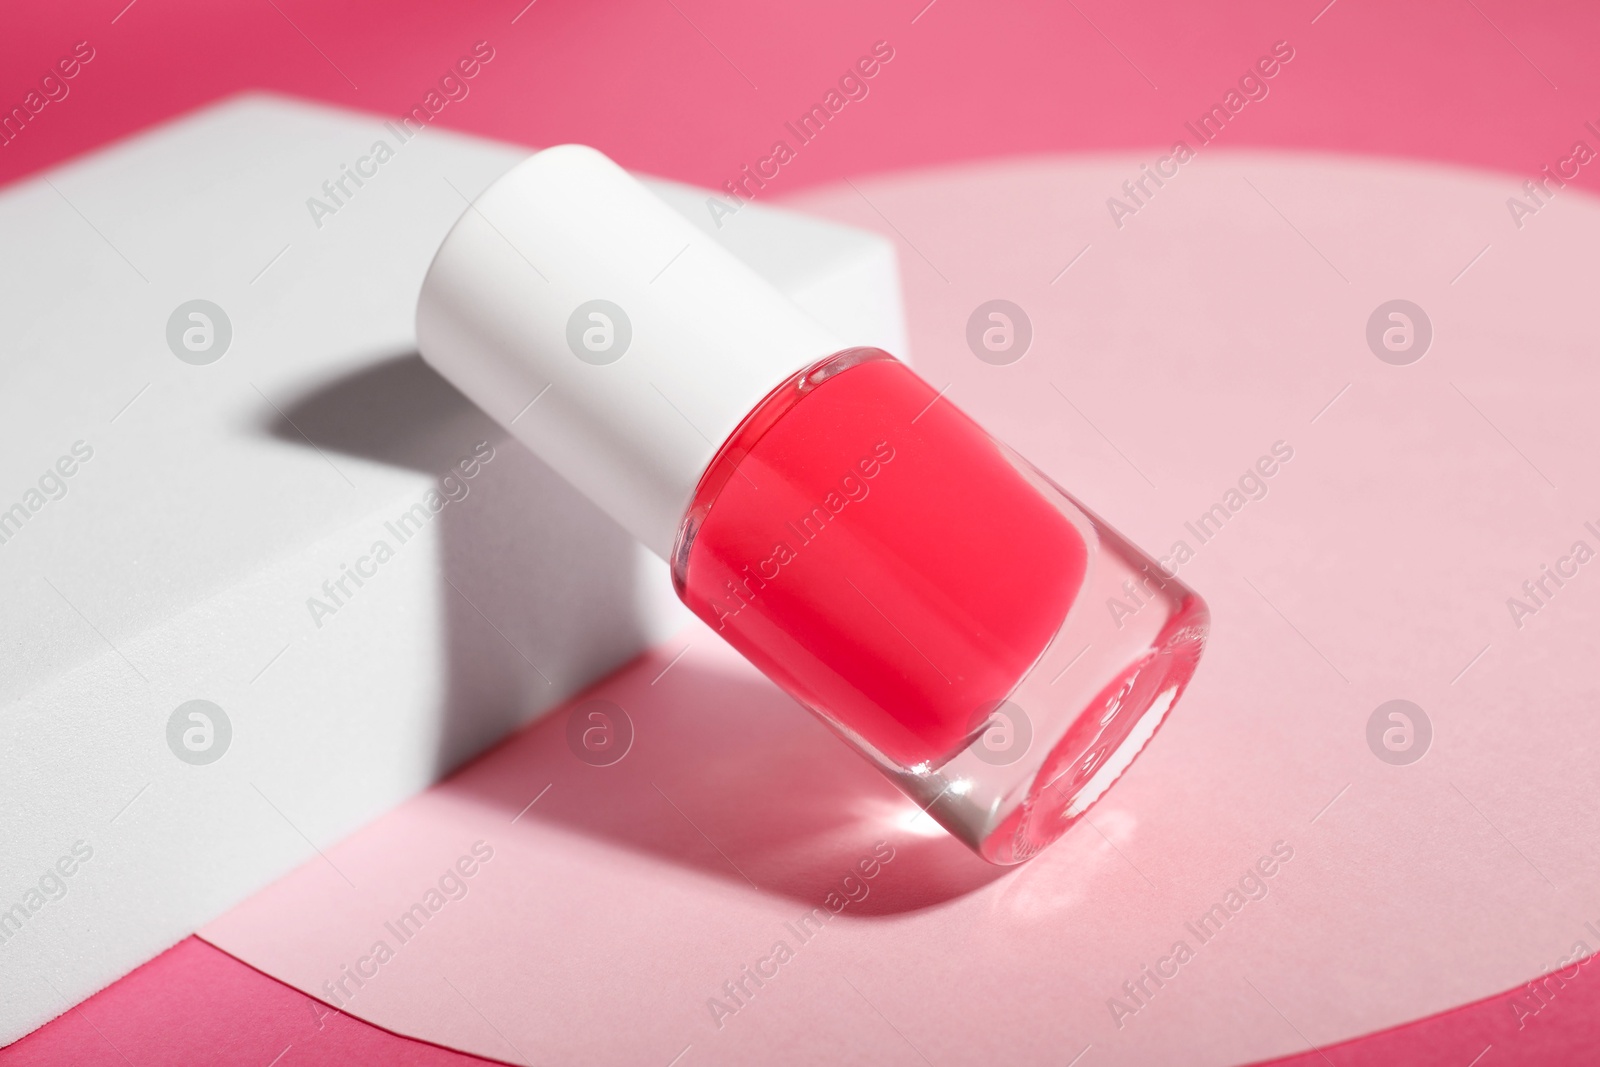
point(935, 600)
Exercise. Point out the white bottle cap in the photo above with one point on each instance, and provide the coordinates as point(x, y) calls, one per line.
point(608, 334)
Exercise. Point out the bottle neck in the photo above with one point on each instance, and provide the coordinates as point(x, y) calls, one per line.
point(725, 465)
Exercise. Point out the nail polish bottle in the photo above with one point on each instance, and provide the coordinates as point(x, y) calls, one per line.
point(922, 589)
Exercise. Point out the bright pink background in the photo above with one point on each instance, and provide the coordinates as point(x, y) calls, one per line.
point(1428, 79)
point(233, 1011)
point(196, 1004)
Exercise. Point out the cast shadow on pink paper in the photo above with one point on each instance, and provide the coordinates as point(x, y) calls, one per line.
point(726, 775)
point(729, 776)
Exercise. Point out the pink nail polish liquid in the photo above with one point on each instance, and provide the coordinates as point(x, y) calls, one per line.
point(913, 582)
